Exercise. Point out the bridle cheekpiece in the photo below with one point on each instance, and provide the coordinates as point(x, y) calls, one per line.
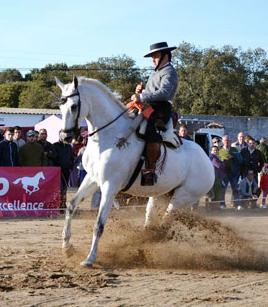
point(63, 100)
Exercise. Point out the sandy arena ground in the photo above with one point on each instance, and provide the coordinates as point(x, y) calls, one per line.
point(217, 258)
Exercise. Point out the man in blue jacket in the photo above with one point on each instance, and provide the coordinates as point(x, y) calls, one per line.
point(159, 93)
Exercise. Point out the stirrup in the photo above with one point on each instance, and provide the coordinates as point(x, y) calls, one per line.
point(148, 177)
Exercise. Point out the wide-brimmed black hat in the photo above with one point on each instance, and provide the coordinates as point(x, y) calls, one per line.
point(159, 47)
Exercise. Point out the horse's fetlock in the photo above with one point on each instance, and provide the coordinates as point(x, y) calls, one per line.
point(69, 209)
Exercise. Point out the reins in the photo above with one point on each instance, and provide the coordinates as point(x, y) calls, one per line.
point(76, 93)
point(108, 124)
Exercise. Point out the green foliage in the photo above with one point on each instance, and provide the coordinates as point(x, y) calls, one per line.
point(9, 94)
point(10, 75)
point(118, 73)
point(35, 95)
point(226, 81)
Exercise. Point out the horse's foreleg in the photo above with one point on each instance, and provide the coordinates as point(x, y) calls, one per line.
point(86, 188)
point(104, 210)
point(155, 208)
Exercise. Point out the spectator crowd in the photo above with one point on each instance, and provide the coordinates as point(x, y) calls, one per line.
point(243, 165)
point(35, 150)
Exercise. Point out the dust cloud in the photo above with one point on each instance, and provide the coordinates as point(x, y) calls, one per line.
point(186, 241)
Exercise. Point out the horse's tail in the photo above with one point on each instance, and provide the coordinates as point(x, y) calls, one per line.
point(17, 181)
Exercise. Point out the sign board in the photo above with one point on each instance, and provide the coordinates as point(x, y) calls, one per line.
point(29, 191)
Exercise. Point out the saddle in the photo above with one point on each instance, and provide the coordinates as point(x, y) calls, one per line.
point(152, 151)
point(168, 134)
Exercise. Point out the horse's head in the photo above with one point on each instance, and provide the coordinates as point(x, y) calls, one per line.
point(70, 106)
point(42, 176)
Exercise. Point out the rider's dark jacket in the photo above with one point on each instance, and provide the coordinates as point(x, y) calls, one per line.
point(8, 153)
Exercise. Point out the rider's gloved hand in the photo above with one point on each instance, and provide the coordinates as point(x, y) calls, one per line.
point(135, 98)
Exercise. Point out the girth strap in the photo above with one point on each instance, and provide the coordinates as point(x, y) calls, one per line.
point(135, 174)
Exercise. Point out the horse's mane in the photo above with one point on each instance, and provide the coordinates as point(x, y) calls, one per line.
point(103, 87)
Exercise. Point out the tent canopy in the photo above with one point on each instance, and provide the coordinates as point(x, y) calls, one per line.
point(52, 124)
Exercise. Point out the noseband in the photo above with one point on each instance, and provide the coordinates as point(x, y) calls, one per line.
point(63, 100)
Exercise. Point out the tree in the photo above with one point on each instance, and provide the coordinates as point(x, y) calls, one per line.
point(10, 75)
point(118, 73)
point(9, 94)
point(225, 81)
point(48, 74)
point(36, 95)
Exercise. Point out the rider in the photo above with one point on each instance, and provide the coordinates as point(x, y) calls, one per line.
point(158, 93)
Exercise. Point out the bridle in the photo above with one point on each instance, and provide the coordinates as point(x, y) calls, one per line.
point(64, 99)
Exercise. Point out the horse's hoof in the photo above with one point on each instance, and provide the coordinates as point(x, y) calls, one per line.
point(66, 244)
point(86, 264)
point(68, 250)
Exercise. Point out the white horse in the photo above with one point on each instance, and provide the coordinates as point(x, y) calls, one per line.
point(187, 173)
point(30, 182)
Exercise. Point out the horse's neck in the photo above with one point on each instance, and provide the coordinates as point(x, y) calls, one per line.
point(107, 140)
point(104, 110)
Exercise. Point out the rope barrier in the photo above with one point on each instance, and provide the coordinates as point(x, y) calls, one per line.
point(118, 207)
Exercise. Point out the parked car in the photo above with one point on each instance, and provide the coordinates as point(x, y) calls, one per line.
point(204, 137)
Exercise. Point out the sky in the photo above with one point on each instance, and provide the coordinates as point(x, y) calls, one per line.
point(34, 33)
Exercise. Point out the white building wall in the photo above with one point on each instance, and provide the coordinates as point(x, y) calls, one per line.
point(23, 120)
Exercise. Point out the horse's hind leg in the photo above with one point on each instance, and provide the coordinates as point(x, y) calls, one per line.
point(86, 188)
point(182, 198)
point(155, 209)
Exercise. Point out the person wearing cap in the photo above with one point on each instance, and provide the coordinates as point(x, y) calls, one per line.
point(159, 92)
point(32, 153)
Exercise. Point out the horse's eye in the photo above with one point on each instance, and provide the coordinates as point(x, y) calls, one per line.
point(63, 100)
point(74, 107)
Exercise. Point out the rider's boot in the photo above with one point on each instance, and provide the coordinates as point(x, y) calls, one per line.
point(152, 154)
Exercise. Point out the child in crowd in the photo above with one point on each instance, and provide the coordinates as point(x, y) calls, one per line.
point(264, 184)
point(249, 191)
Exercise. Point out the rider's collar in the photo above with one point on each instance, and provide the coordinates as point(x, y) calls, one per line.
point(161, 67)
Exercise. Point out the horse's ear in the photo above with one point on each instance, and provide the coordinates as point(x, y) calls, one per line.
point(75, 82)
point(59, 83)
